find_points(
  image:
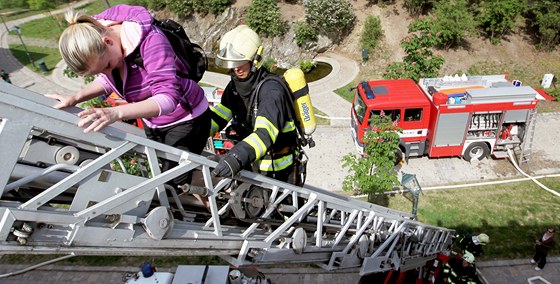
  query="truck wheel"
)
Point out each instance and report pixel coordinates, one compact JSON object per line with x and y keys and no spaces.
{"x":477,"y":151}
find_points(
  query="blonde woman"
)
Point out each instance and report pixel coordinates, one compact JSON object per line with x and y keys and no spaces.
{"x":174,"y":109}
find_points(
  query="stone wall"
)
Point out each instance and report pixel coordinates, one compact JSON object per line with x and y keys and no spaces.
{"x":207,"y":31}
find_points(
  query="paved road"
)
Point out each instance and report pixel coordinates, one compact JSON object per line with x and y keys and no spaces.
{"x":333,"y":142}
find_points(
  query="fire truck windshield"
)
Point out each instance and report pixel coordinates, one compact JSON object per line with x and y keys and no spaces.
{"x":360,"y":108}
{"x":394,"y":114}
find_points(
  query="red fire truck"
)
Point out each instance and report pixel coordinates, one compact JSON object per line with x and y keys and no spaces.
{"x":468,"y":116}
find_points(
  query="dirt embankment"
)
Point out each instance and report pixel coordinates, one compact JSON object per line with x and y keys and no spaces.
{"x":516,"y":54}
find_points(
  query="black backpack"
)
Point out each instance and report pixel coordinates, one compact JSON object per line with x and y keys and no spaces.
{"x":300,"y":161}
{"x":191,"y":54}
{"x":302,"y":139}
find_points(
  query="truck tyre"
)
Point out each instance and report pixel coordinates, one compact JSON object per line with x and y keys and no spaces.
{"x":478,"y":150}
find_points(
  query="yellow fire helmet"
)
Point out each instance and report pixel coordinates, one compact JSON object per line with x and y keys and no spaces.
{"x":468,"y":257}
{"x":483,"y":239}
{"x":238,"y":46}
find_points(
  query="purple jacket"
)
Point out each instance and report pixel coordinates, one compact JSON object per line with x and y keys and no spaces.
{"x":158,"y":79}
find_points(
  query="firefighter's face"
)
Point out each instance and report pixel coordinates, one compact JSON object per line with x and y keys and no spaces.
{"x":242,"y":71}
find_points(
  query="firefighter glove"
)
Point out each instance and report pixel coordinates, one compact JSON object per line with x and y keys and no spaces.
{"x":228,"y":166}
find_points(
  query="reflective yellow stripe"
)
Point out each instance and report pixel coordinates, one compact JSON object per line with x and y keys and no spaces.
{"x":289,"y":126}
{"x":222,"y":111}
{"x":279,"y":164}
{"x":256,"y":143}
{"x":262,"y":122}
{"x":213,"y":128}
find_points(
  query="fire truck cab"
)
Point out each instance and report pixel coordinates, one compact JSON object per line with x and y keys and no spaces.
{"x":468,"y":116}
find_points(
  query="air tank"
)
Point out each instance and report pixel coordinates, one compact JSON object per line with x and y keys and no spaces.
{"x":303,"y":108}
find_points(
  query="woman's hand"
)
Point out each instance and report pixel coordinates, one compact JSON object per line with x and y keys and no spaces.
{"x":64,"y":101}
{"x":95,"y":119}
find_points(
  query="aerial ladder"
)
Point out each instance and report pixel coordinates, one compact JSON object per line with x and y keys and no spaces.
{"x":60,"y":195}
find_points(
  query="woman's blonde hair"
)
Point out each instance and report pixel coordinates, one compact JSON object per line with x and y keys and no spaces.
{"x":81,"y":41}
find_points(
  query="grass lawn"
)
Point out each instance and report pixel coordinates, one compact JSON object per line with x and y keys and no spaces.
{"x":320,"y":120}
{"x":345,"y":92}
{"x":50,"y":28}
{"x":513,"y":215}
{"x":50,"y":56}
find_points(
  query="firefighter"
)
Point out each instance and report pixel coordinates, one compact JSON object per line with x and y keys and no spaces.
{"x":473,"y":244}
{"x":261,"y":123}
{"x":459,"y":270}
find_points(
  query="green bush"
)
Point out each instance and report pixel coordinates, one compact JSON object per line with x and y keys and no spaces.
{"x":270,"y":65}
{"x":371,"y":33}
{"x":265,"y":18}
{"x":452,"y":21}
{"x":217,"y":6}
{"x":40,"y":4}
{"x":544,"y":18}
{"x":131,"y":164}
{"x":307,"y":65}
{"x":334,"y":18}
{"x":304,"y":32}
{"x":11,"y":4}
{"x":497,"y":18}
{"x":189,"y":7}
{"x":70,"y":74}
{"x":150,"y":4}
{"x":554,"y":93}
{"x":186,"y":7}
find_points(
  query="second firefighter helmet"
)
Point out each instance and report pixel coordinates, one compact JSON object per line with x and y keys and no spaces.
{"x":483,"y":239}
{"x":239,"y":46}
{"x":468,"y":257}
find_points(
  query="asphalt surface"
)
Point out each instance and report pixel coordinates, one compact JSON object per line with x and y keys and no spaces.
{"x":325,"y":171}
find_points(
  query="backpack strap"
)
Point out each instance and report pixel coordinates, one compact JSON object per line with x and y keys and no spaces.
{"x":137,"y":59}
{"x":290,"y":105}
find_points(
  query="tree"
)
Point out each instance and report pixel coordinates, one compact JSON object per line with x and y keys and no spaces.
{"x":420,"y":61}
{"x":544,"y":18}
{"x":497,"y":18}
{"x":374,"y":172}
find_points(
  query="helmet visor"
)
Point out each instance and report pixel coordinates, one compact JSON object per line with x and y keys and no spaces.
{"x":228,"y":57}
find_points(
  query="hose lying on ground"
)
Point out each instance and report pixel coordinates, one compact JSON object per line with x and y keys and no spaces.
{"x":510,"y":154}
{"x":36,"y":266}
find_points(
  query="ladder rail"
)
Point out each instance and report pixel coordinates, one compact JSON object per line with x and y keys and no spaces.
{"x":527,"y":145}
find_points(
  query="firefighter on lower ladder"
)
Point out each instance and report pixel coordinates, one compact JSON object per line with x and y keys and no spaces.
{"x":459,"y":270}
{"x":262,"y":123}
{"x":473,"y":244}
